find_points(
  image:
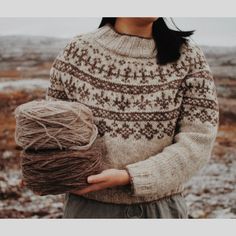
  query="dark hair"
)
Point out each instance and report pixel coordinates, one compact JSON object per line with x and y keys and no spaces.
{"x":168,"y":41}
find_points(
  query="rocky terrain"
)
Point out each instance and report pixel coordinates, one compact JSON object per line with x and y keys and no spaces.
{"x":24,"y":73}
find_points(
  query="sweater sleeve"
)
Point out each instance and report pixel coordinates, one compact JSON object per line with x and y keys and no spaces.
{"x":196,"y":131}
{"x":56,"y":89}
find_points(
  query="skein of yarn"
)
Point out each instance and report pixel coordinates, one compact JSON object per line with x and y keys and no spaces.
{"x":56,"y":172}
{"x":54,"y":124}
{"x":60,"y":143}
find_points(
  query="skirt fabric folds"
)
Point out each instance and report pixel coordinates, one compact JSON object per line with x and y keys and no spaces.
{"x":77,"y":206}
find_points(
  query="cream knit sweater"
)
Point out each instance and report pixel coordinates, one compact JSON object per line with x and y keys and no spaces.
{"x":159,"y":122}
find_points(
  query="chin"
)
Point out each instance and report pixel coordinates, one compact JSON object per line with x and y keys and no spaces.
{"x":146,"y":19}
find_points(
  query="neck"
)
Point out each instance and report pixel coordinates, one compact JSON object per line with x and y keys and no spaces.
{"x":125,"y":44}
{"x":129,"y":27}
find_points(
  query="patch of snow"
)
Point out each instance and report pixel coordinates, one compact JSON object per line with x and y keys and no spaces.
{"x":26,"y":84}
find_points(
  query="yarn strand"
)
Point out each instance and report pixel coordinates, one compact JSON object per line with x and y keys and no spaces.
{"x":60,"y":143}
{"x":58,"y":124}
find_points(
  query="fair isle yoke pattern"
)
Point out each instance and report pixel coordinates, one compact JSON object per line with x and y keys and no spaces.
{"x":159,"y":121}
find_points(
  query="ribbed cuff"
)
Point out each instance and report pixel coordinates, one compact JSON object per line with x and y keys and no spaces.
{"x":140,"y":179}
{"x":131,"y":185}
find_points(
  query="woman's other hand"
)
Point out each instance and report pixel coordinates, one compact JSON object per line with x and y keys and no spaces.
{"x":107,"y":178}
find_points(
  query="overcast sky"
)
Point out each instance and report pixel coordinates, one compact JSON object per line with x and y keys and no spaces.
{"x":209,"y":31}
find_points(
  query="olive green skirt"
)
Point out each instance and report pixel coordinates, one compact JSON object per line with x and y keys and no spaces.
{"x":77,"y":206}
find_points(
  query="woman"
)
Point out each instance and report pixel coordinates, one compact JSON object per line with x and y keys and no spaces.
{"x":154,"y":102}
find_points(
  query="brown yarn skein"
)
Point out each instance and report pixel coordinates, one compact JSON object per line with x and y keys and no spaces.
{"x":56,"y":172}
{"x":54,"y":124}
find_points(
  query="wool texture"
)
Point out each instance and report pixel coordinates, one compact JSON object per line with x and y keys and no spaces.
{"x":57,"y":171}
{"x":60,"y":146}
{"x":54,"y":124}
{"x":159,"y":122}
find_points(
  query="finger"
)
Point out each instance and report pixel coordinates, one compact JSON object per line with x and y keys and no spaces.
{"x":93,"y":188}
{"x":92,"y":179}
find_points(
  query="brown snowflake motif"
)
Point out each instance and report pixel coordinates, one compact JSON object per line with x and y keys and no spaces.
{"x":163,"y":102}
{"x":204,"y":116}
{"x":125,"y":130}
{"x":122,"y":103}
{"x":83,"y":92}
{"x":135,"y":63}
{"x":143,"y":103}
{"x":137,"y":136}
{"x":69,"y":49}
{"x":148,"y":131}
{"x":144,"y":77}
{"x":121,"y":62}
{"x":70,"y":86}
{"x":85,"y":42}
{"x":101,"y":98}
{"x":84,"y":51}
{"x":150,"y":63}
{"x":108,"y":57}
{"x":160,"y":125}
{"x":97,"y":60}
{"x":95,"y":51}
{"x":103,"y":127}
{"x":125,"y":77}
{"x":170,"y":128}
{"x":111,"y":68}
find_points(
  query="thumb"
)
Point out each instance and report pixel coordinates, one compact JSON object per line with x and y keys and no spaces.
{"x":96,"y":178}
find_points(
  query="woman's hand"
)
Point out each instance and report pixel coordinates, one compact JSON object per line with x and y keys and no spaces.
{"x":107,"y":178}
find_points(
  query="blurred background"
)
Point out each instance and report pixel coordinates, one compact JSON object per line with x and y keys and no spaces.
{"x":28,"y":47}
